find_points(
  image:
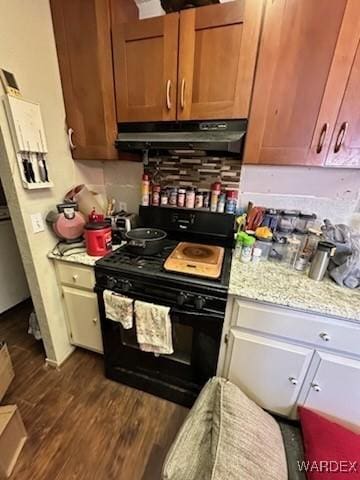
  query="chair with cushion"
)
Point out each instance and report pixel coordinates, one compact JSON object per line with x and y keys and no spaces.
{"x":226,"y":436}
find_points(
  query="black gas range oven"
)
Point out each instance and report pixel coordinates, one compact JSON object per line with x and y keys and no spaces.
{"x":197,"y":306}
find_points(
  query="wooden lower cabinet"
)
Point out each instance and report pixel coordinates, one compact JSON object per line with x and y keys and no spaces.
{"x":83,"y":318}
{"x":335,"y":388}
{"x":268,"y":371}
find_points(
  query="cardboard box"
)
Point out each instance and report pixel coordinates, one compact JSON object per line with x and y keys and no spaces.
{"x":12,"y":438}
{"x":6,"y":370}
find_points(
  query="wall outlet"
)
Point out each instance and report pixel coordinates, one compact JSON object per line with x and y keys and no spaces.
{"x":123,"y":206}
{"x":37,"y":223}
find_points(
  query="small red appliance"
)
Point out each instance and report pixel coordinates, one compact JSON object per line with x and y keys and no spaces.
{"x":98,"y":239}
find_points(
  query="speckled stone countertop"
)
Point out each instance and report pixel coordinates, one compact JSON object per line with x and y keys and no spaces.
{"x":80,"y":258}
{"x":275,"y":283}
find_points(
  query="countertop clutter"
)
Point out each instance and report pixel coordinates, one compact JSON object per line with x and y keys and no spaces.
{"x":81,"y":258}
{"x":277,"y":284}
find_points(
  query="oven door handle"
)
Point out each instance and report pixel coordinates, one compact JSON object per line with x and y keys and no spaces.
{"x":188,"y":313}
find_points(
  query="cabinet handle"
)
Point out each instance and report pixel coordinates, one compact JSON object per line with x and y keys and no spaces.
{"x":324,"y":336}
{"x":95,"y":321}
{"x":71,"y":143}
{"x":168,"y":94}
{"x":293,"y":380}
{"x":341,"y":136}
{"x":75,"y":277}
{"x":322,"y":138}
{"x":182,"y":95}
{"x":316,"y":387}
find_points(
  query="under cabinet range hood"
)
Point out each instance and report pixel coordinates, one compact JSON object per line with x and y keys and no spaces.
{"x":213,"y":136}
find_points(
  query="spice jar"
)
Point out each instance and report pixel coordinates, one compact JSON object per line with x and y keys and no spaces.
{"x":206,"y":200}
{"x":221,"y":202}
{"x":155,"y":201}
{"x":173,"y":197}
{"x":215,"y":192}
{"x":164,"y":199}
{"x":181,"y":197}
{"x":231,"y":201}
{"x":190,"y":198}
{"x":199,"y":199}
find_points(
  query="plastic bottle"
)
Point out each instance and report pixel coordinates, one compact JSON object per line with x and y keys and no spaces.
{"x":247,"y":247}
{"x":221,"y":202}
{"x":145,"y":190}
{"x":238,"y":244}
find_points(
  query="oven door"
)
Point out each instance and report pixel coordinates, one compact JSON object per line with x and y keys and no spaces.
{"x":178,"y":377}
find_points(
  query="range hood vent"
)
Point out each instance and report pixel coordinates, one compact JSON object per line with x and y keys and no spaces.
{"x":220,"y":136}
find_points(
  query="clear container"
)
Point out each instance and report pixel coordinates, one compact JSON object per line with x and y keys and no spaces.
{"x":287,"y":221}
{"x":164,"y":198}
{"x":278,"y":250}
{"x":304,"y":222}
{"x":292,"y":251}
{"x":221,"y":203}
{"x":265,"y":247}
{"x":199,"y":199}
{"x":271,"y":219}
{"x":311,"y":241}
{"x":257,"y":253}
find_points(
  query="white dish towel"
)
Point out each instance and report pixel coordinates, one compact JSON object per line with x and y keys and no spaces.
{"x":119,"y":308}
{"x":153,"y":328}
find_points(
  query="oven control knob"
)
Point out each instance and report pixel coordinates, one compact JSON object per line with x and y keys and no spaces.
{"x":126,"y":285}
{"x":111,"y":282}
{"x":181,"y":299}
{"x":199,"y":303}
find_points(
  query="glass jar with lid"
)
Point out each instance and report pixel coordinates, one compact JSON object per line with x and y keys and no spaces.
{"x":304,"y":222}
{"x":287,"y":221}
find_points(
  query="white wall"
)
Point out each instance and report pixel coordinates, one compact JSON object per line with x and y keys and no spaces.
{"x":27,"y":49}
{"x":331,"y":193}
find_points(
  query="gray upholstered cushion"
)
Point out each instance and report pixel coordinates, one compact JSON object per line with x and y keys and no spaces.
{"x":226,"y":437}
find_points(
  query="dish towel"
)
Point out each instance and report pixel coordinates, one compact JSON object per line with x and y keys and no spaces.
{"x":153,"y":328}
{"x":119,"y":308}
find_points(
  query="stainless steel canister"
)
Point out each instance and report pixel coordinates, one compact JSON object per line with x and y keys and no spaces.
{"x":320,"y":262}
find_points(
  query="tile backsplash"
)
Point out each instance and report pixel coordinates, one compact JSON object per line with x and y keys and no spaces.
{"x":198,"y":172}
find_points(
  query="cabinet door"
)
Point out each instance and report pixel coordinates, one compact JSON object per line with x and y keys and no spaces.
{"x":145,"y":61}
{"x":83,"y":41}
{"x":295,"y":100}
{"x":83,"y":318}
{"x":217,"y":55}
{"x":345,"y":144}
{"x":269,"y":372}
{"x":335,"y":389}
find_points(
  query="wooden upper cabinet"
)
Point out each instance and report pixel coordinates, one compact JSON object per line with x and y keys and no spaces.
{"x":303,"y":67}
{"x":145,"y":60}
{"x":344,"y":148}
{"x":217,"y":56}
{"x":83,"y":41}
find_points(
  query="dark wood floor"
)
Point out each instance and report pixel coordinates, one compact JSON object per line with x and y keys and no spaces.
{"x":81,"y":425}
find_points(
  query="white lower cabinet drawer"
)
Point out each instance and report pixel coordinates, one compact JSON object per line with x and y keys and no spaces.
{"x":77,"y":276}
{"x":322,"y":332}
{"x":270,"y":372}
{"x":83,"y":318}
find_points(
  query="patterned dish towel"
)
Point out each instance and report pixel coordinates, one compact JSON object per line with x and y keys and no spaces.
{"x":153,"y":328}
{"x":119,"y":308}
